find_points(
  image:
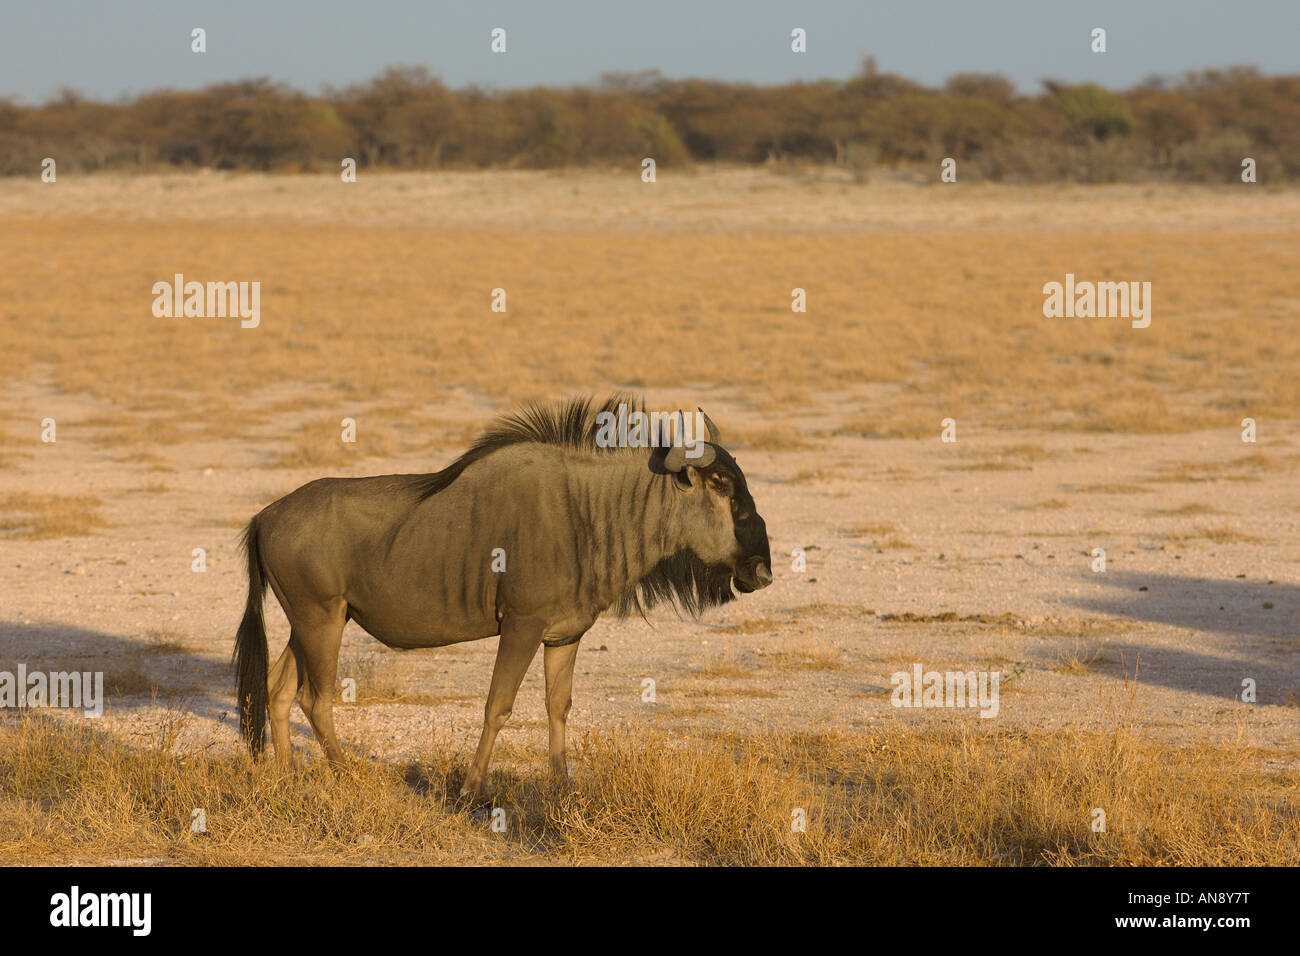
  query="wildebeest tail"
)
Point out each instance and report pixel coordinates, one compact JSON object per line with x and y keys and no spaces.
{"x":250,"y":651}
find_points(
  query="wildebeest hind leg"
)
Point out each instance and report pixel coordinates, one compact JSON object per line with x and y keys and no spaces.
{"x":317,"y":640}
{"x":516,"y":650}
{"x":282,"y":689}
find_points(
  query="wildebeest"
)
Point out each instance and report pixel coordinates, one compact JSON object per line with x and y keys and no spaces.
{"x":530,"y":534}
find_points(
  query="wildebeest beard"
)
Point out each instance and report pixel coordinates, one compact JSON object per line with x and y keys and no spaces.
{"x":682,"y":579}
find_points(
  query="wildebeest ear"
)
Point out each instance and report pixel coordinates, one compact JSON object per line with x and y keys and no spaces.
{"x":672,"y":458}
{"x":665,"y":461}
{"x":676,"y":460}
{"x":715,"y":436}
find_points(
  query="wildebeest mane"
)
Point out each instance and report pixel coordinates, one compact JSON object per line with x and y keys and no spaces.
{"x":569,"y":424}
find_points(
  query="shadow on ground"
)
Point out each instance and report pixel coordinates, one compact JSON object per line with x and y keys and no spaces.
{"x":1253,"y":623}
{"x":138,"y":673}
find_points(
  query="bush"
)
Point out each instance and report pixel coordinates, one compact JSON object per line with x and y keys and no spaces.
{"x":1198,"y":128}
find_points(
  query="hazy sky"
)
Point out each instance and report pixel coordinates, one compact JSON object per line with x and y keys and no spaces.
{"x":110,"y":48}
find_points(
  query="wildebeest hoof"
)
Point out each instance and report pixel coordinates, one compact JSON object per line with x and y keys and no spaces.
{"x":476,"y":799}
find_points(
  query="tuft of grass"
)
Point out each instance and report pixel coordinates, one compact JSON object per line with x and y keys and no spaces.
{"x":951,"y":617}
{"x":1190,"y":509}
{"x":163,"y":641}
{"x":41,"y":516}
{"x":1221,"y":534}
{"x":149,"y":460}
{"x":666,"y":709}
{"x":747,"y":690}
{"x":1110,"y":488}
{"x":754,"y":625}
{"x":873,"y":528}
{"x":1079,"y":660}
{"x":1051,"y":504}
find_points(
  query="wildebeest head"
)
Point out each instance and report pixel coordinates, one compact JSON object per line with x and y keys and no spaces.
{"x":722,"y":524}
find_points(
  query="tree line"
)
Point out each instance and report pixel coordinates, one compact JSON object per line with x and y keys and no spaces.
{"x":1198,"y":127}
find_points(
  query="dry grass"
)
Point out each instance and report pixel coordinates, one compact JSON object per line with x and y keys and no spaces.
{"x":41,"y":516}
{"x":724,"y":666}
{"x":1191,"y":509}
{"x":1221,"y":534}
{"x":1109,"y":488}
{"x":1247,"y":468}
{"x":746,"y":691}
{"x":12,"y":448}
{"x":878,"y":530}
{"x":1077,"y":626}
{"x":900,"y":419}
{"x":1078,"y":660}
{"x":1012,"y":622}
{"x":164,"y":641}
{"x":668,"y":709}
{"x":816,"y":476}
{"x":873,"y":528}
{"x":951,"y":617}
{"x":805,"y":660}
{"x":930,"y":795}
{"x":382,"y":682}
{"x":755,"y":625}
{"x":1008,"y":458}
{"x":319,"y":444}
{"x":767,"y":438}
{"x":1051,"y":504}
{"x":350,"y":307}
{"x":796,"y":619}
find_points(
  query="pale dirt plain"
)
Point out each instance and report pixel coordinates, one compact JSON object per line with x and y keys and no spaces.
{"x":924,"y":304}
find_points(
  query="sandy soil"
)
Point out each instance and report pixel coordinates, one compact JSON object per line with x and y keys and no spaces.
{"x":981,"y":529}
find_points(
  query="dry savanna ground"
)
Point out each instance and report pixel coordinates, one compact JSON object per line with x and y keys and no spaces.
{"x":1163,"y":691}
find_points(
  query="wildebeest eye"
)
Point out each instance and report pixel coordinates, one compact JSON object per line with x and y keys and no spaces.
{"x":721,"y":484}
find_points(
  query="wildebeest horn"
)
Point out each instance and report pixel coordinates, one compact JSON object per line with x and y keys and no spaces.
{"x":676,"y":458}
{"x":715,"y":436}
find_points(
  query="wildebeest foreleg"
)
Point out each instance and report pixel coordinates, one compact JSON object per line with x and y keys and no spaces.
{"x":559,"y":696}
{"x":516,"y":650}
